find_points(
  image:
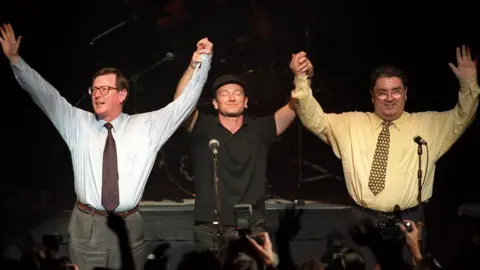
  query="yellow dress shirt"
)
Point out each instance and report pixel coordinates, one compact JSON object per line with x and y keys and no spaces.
{"x":353,"y":137}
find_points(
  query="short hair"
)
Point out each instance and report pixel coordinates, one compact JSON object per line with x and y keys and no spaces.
{"x":387,"y":71}
{"x":121,"y":80}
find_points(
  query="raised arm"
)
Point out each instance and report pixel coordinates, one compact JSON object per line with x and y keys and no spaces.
{"x":329,"y":127}
{"x":57,"y":109}
{"x":165,"y":121}
{"x":300,"y":65}
{"x":309,"y":110}
{"x":204,"y":46}
{"x":448,"y":126}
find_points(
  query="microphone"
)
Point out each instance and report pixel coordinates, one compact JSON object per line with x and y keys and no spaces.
{"x":299,"y":202}
{"x":419,"y":140}
{"x":214,"y":144}
{"x":169,"y":56}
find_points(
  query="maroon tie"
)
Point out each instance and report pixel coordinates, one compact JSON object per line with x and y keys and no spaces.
{"x":110,"y":198}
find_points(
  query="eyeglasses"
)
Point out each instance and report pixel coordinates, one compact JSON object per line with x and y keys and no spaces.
{"x":396,"y":94}
{"x":103,"y":90}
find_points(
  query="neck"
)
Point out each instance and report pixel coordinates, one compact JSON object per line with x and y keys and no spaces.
{"x":109,"y":118}
{"x":233,"y":124}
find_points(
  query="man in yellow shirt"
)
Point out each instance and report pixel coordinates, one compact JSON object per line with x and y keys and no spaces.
{"x":377,"y":149}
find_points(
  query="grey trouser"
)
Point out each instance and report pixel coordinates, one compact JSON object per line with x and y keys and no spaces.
{"x":93,"y":244}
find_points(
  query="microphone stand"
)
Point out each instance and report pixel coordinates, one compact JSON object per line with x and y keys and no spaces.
{"x":218,"y":207}
{"x":135,"y":79}
{"x":80,"y":100}
{"x":108,"y":31}
{"x":419,"y":200}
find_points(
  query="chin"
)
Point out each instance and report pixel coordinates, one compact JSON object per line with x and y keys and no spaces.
{"x":100,"y":113}
{"x":232,"y":113}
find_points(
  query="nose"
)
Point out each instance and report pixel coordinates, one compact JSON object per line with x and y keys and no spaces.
{"x":390,"y":97}
{"x":231,"y":98}
{"x":97,"y":94}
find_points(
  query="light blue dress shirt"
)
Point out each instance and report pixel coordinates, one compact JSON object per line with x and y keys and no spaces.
{"x":138,"y":137}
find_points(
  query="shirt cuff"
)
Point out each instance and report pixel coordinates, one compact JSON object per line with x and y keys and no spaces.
{"x":21,"y":66}
{"x":470,"y":86}
{"x":302,"y":88}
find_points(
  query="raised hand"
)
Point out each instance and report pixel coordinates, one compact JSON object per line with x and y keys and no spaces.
{"x":204,"y":46}
{"x":265,"y":250}
{"x":10,"y":45}
{"x":300,"y":64}
{"x":466,"y":69}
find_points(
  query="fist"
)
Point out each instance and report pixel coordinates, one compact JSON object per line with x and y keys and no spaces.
{"x":301,"y":65}
{"x":204,"y":46}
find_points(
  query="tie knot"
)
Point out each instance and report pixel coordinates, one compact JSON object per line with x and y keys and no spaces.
{"x":109,"y":126}
{"x":387,"y":124}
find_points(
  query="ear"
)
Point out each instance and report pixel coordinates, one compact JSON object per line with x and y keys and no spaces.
{"x":245,"y":103}
{"x":215,"y":104}
{"x":123,"y":95}
{"x":406,"y":88}
{"x":372,"y":96}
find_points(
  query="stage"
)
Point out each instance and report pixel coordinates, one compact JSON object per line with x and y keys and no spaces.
{"x":169,"y":222}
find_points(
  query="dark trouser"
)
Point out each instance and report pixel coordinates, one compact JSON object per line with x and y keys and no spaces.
{"x":206,"y":236}
{"x":93,"y":244}
{"x":380,"y":245}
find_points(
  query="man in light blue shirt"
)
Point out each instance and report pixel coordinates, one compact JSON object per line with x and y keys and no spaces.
{"x":112,"y":152}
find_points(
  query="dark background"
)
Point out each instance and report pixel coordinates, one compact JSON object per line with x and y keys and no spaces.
{"x":345,"y":40}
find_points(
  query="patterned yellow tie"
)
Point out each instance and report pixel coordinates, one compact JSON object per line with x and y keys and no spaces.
{"x":376,"y":182}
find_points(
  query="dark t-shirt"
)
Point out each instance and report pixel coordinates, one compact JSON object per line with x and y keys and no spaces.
{"x":242,"y":165}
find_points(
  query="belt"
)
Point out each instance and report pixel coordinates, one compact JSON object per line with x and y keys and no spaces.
{"x":90,"y":210}
{"x":385,"y":213}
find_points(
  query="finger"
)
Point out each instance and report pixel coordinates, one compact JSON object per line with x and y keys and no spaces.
{"x":302,"y":59}
{"x":2,"y":31}
{"x":475,"y":60}
{"x":19,"y":39}
{"x":302,"y":53}
{"x":402,"y":228}
{"x":469,"y":54}
{"x":303,"y":71}
{"x":203,"y":40}
{"x":201,"y":45}
{"x":295,"y":58}
{"x":459,"y":56}
{"x":257,"y":246}
{"x":464,"y":52}
{"x":303,"y":67}
{"x":454,"y":68}
{"x":10,"y":29}
{"x":266,"y":241}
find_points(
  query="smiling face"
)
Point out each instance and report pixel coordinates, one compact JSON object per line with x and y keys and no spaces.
{"x":108,"y":94}
{"x":230,"y":100}
{"x":389,"y":96}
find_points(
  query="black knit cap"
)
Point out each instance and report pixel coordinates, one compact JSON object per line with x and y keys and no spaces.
{"x":227,"y":79}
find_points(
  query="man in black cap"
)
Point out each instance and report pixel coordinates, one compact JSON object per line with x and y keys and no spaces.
{"x":239,"y":145}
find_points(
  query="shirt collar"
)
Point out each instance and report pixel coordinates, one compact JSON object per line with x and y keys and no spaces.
{"x":396,"y":123}
{"x":115,"y":123}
